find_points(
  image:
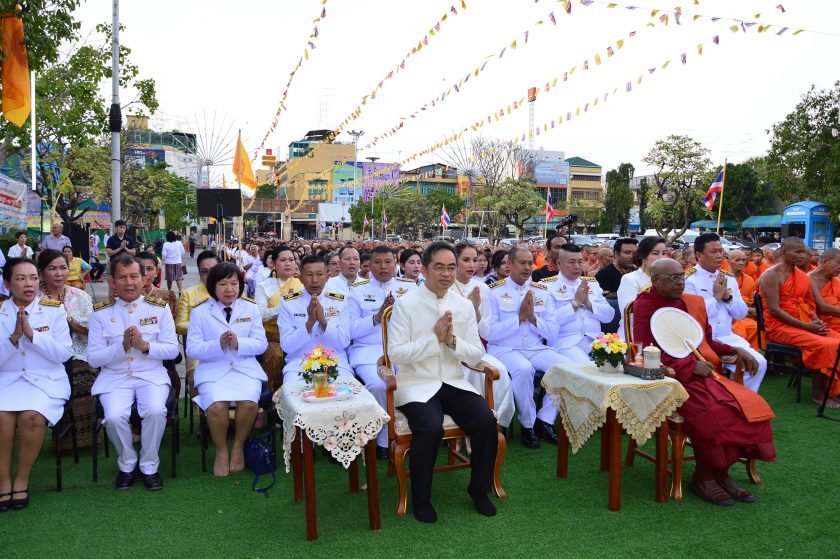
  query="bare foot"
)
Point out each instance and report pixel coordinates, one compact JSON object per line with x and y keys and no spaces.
{"x":832,"y":402}
{"x":221,"y":467}
{"x":237,"y":459}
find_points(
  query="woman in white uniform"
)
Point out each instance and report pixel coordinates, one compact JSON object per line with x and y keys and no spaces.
{"x":269,"y":295}
{"x":477,"y":292}
{"x":650,"y":250}
{"x":225,"y":336}
{"x":34,"y":344}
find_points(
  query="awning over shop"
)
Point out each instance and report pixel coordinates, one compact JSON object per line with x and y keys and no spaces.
{"x":712,"y":224}
{"x":762,"y":222}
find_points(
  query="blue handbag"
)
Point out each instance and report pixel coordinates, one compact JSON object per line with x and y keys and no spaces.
{"x":259,"y":457}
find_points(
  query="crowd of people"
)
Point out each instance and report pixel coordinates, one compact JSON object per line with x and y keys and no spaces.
{"x":260,"y":307}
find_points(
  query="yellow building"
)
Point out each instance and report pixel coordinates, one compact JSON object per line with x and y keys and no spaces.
{"x":584,"y":180}
{"x":308,"y":172}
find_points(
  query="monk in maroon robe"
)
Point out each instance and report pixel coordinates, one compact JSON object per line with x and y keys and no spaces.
{"x":724,"y":426}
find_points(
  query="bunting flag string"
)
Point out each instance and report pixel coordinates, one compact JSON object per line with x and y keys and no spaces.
{"x":356,"y":113}
{"x":310,"y":45}
{"x":569,"y":115}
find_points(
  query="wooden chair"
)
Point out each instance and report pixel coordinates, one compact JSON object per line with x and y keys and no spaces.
{"x":785,"y":351}
{"x":399,"y":434}
{"x":676,"y":433}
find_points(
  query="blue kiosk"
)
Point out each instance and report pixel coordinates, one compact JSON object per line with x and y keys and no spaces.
{"x":811,"y":221}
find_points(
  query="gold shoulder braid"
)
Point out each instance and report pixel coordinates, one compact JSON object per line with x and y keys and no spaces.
{"x":538,"y":285}
{"x":49,"y":303}
{"x":248,"y":299}
{"x":292,"y":295}
{"x":496,"y":284}
{"x":336,"y":296}
{"x":155,"y":301}
{"x":201,"y":300}
{"x":104,"y":304}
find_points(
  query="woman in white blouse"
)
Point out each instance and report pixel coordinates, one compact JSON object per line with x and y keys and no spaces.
{"x":225,"y":336}
{"x":478,"y":293}
{"x":171,"y":254}
{"x":20,"y":250}
{"x":650,"y":250}
{"x":264,"y":271}
{"x":268,"y":298}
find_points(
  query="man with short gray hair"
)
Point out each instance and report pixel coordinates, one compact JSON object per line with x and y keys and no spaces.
{"x":56,"y":240}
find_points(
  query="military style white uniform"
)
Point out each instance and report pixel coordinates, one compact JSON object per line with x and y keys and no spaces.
{"x":296,"y":341}
{"x":363,"y":303}
{"x":700,"y":281}
{"x":230,"y":375}
{"x":339,"y":284}
{"x":502,"y":394}
{"x":128,"y":376}
{"x":32,"y":375}
{"x":574,"y":339}
{"x":519,"y":345}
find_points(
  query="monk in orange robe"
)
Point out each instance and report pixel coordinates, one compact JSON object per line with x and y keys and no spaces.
{"x":747,"y":327}
{"x":725,"y":422}
{"x":825,"y":279}
{"x":790,"y":317}
{"x":759,"y":265}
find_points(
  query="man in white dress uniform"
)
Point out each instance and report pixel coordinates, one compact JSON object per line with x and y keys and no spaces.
{"x":522,"y":314}
{"x":723,"y":299}
{"x":584,"y":296}
{"x":366,"y":303}
{"x":431,"y":332}
{"x":349,"y":264}
{"x":129,"y":337}
{"x":311,"y":317}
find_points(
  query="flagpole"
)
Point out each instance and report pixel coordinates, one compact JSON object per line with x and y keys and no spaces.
{"x":33,"y":151}
{"x":720,"y":206}
{"x":545,"y":226}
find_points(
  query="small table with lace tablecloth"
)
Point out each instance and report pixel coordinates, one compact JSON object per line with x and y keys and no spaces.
{"x":344,"y":427}
{"x":587,"y":399}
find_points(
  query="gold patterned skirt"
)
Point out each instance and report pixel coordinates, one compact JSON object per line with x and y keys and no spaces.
{"x":273,"y":358}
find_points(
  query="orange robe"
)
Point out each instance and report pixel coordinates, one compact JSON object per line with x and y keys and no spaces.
{"x":797,"y":299}
{"x":750,"y":269}
{"x":540,"y":260}
{"x":831,"y":294}
{"x":760,"y":270}
{"x":747,"y":328}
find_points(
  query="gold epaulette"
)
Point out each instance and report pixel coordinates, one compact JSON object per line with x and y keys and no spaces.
{"x":588,"y":278}
{"x":49,"y":303}
{"x":104,"y":304}
{"x":202,"y":300}
{"x":409,"y":280}
{"x":548,"y":279}
{"x":645,"y":288}
{"x":336,"y":296}
{"x":727,"y":273}
{"x":496,"y":284}
{"x":292,"y":295}
{"x":691,"y":271}
{"x":361,"y":282}
{"x":247,"y":299}
{"x":538,"y":285}
{"x":155,"y":301}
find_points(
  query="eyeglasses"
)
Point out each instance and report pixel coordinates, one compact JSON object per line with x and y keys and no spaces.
{"x":673,"y":278}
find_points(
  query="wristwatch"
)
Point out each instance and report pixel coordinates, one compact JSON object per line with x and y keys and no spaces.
{"x":451,"y":344}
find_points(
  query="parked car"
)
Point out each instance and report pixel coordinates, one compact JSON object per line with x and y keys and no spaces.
{"x":581,"y":240}
{"x":510,"y":241}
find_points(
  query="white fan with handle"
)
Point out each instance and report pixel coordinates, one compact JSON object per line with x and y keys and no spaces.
{"x":677,"y":332}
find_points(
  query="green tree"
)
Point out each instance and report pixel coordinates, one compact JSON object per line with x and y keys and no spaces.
{"x":618,"y":200}
{"x":644,"y":193}
{"x":803,"y":162}
{"x":515,"y":200}
{"x":440,"y":197}
{"x":681,"y":165}
{"x":745,"y":193}
{"x":267,"y":190}
{"x":179,"y":205}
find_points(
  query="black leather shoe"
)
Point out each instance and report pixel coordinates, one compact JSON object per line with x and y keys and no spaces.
{"x":381,"y":453}
{"x":18,"y":504}
{"x":153,"y":482}
{"x":529,"y":438}
{"x":545,"y":432}
{"x":124,"y":480}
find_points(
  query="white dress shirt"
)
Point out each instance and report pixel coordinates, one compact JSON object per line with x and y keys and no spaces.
{"x":340,"y":284}
{"x":700,"y":281}
{"x":296,"y":341}
{"x":423,"y":363}
{"x":506,"y":330}
{"x":363,"y":302}
{"x":630,"y":287}
{"x":584,"y":323}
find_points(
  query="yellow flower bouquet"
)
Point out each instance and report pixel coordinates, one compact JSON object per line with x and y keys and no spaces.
{"x":319,"y":364}
{"x":609,"y":348}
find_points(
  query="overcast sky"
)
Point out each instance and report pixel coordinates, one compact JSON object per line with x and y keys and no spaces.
{"x":231,"y":61}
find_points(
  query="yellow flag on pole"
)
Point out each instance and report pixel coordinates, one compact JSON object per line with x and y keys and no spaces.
{"x":242,"y":166}
{"x":15,"y":71}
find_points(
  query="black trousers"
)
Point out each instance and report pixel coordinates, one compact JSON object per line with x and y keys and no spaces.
{"x":472,"y":414}
{"x":97,"y":270}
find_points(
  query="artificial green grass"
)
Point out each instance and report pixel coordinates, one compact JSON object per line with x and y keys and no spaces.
{"x":197,"y":515}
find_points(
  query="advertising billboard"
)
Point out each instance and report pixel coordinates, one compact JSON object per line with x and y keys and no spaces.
{"x":375,"y":175}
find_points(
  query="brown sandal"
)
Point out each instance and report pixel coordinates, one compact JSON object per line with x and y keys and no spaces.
{"x":736,"y":492}
{"x":711,"y":492}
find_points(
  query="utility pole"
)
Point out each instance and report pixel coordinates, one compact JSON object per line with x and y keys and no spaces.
{"x":356,"y":135}
{"x":372,"y":217}
{"x":115,"y":117}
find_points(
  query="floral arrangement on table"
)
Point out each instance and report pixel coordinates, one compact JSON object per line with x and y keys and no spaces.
{"x":319,"y":360}
{"x":609,"y":348}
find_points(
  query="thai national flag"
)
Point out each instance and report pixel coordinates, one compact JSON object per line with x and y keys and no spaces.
{"x":711,"y":194}
{"x":549,"y":209}
{"x":444,"y":216}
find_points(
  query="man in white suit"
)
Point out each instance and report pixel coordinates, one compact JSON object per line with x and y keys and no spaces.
{"x":129,"y":337}
{"x":432,"y":331}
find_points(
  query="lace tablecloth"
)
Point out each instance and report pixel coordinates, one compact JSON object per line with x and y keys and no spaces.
{"x":343,"y":427}
{"x":583,"y":394}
